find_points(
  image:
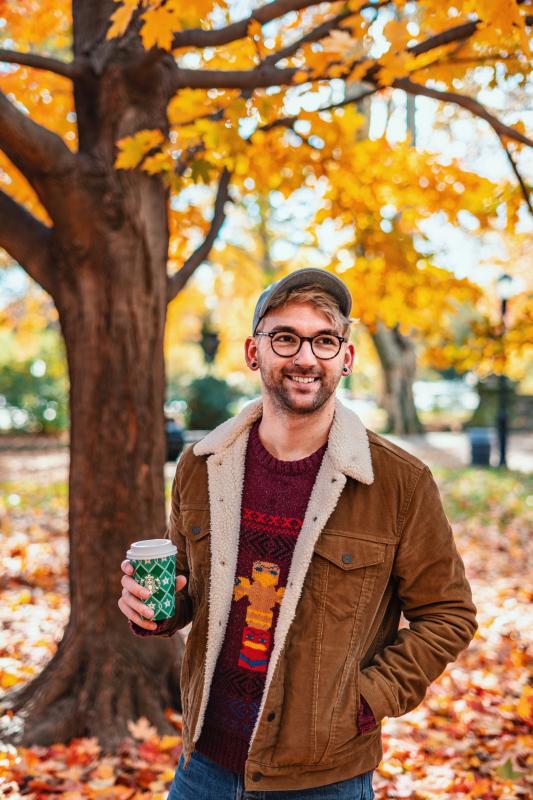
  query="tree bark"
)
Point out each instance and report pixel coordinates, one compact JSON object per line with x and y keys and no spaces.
{"x":397,"y":356}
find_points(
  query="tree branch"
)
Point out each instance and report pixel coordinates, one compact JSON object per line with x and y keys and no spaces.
{"x":33,"y":149}
{"x":259,"y":77}
{"x":176,"y":282}
{"x":27,"y":240}
{"x":519,"y":178}
{"x":466,"y":102}
{"x":456,"y":34}
{"x":196,"y":37}
{"x":72,"y":69}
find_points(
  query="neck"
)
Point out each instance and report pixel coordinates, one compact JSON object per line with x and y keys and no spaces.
{"x":290,"y":436}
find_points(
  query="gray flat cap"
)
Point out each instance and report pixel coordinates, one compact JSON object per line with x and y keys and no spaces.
{"x":303,"y":277}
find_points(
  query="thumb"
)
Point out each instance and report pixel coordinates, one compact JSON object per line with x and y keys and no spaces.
{"x":181,"y":580}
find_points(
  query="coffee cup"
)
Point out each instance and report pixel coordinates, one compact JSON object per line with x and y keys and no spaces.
{"x":154,"y":565}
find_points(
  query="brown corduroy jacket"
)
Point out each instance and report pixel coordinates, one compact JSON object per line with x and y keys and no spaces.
{"x":375,"y":542}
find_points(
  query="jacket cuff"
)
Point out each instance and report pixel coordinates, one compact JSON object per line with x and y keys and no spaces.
{"x":377,"y":694}
{"x":138,"y":631}
{"x":168,"y":627}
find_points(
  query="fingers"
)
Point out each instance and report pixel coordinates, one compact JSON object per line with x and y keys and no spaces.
{"x":133,"y":609}
{"x":128,"y":603}
{"x":134,"y":588}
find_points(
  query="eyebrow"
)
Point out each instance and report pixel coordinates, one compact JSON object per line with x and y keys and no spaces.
{"x":290,"y":329}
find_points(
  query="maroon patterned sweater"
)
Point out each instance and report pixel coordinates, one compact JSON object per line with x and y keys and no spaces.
{"x":275,"y":498}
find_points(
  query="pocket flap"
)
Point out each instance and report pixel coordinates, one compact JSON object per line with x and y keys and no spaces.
{"x":350,"y":553}
{"x":194,"y":523}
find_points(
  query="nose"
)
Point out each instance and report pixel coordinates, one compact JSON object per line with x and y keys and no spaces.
{"x":305,"y":356}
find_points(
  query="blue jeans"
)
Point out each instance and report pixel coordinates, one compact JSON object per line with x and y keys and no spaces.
{"x":205,"y":780}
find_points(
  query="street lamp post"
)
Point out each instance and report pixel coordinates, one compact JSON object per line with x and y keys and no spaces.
{"x":504,"y":287}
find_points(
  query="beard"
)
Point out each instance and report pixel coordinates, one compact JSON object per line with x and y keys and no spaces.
{"x":288,"y":398}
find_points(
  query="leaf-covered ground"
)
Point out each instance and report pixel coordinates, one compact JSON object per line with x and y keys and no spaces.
{"x":472,"y":736}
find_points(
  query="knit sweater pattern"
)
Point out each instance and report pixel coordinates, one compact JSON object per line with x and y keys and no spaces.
{"x":275,"y":497}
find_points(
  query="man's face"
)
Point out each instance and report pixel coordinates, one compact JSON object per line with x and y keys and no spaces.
{"x":280,"y":375}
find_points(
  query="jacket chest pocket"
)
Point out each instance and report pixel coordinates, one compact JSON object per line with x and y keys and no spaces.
{"x":350,"y":567}
{"x":195,"y":529}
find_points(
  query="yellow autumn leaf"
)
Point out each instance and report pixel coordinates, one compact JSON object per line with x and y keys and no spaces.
{"x":120,"y":18}
{"x":193,"y":14}
{"x":358,"y":72}
{"x":189,"y":104}
{"x":168,"y":742}
{"x":525,"y":704}
{"x":159,"y":162}
{"x":301,"y":76}
{"x":158,"y":28}
{"x":21,"y":599}
{"x":394,"y":64}
{"x":397,"y":34}
{"x":134,"y":148}
{"x":141,"y":729}
{"x":7,"y":679}
{"x":255,"y":32}
{"x":341,"y":43}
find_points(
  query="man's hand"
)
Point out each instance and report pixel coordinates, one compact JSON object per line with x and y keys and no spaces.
{"x":131,"y":606}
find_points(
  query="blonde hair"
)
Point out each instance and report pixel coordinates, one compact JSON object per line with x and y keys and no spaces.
{"x":315,"y":293}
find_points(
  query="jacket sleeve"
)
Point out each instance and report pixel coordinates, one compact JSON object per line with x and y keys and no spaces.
{"x":183,"y":614}
{"x":436,"y":601}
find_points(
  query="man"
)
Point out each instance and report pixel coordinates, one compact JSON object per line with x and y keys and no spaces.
{"x":301,"y":537}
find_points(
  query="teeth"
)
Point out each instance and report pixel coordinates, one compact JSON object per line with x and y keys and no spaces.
{"x":299,"y":379}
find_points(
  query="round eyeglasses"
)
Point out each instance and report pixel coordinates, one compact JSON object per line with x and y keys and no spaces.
{"x":287,"y":344}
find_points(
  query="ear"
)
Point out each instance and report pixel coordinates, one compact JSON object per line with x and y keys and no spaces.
{"x":349,"y":357}
{"x":250,"y":353}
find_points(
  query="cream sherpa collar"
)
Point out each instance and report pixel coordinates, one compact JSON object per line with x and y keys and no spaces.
{"x":348,"y":444}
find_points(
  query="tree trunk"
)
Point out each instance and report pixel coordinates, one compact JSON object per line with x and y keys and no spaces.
{"x":109,"y":283}
{"x":398,"y":362}
{"x":102,"y":676}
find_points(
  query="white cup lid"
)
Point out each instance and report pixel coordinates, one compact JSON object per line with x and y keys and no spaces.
{"x":151,"y":548}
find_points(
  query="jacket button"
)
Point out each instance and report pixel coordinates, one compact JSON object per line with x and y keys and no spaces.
{"x":195,"y":530}
{"x":256,"y":776}
{"x":271,"y":716}
{"x":347,"y":558}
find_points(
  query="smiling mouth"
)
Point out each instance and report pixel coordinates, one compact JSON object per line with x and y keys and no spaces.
{"x":301,"y":379}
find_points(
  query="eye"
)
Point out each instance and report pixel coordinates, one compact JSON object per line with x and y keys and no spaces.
{"x":285,"y":338}
{"x":327,"y":341}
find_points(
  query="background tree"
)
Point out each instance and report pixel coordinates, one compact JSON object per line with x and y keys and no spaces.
{"x":33,"y":379}
{"x":109,"y":115}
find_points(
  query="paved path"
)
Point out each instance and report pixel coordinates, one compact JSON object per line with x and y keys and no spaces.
{"x":453,"y":449}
